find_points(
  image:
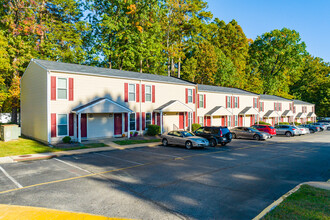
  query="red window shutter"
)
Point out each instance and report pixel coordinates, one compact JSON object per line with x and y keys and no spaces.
{"x":53,"y":125}
{"x":71,"y":124}
{"x":186,"y":96}
{"x":251,"y":121}
{"x":153,"y":118}
{"x":143,"y":93}
{"x":187,"y":121}
{"x":137,"y":121}
{"x":204,"y":101}
{"x":233,"y":121}
{"x":70,"y":89}
{"x":222,"y":121}
{"x":232,"y":102}
{"x":158,"y":118}
{"x":258,"y":103}
{"x":226,"y":101}
{"x":194,"y":117}
{"x":53,"y":88}
{"x":238,"y":102}
{"x":194,"y":96}
{"x":198,"y":101}
{"x":153,"y":94}
{"x":126,"y":92}
{"x":126,"y":122}
{"x":143,"y":121}
{"x":274,"y":106}
{"x":137,"y":93}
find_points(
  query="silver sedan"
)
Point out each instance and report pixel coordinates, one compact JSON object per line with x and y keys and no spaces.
{"x":184,"y":138}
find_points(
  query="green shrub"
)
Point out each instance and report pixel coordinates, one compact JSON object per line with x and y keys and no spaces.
{"x":66,"y":139}
{"x":284,"y":123}
{"x":153,"y":130}
{"x":297,"y":123}
{"x":263,"y":123}
{"x":309,"y":122}
{"x":194,"y":127}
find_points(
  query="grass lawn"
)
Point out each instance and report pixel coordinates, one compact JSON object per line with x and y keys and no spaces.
{"x":307,"y":203}
{"x":128,"y":142}
{"x":27,"y":146}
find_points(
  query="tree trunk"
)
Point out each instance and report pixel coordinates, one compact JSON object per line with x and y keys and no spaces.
{"x":14,"y":115}
{"x":179,"y":67}
{"x":109,"y":62}
{"x":141,"y":66}
{"x":172,"y":67}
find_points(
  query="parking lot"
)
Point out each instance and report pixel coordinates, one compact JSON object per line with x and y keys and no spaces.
{"x":232,"y":182}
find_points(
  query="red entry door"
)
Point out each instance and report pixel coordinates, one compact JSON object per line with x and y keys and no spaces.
{"x":118,"y":124}
{"x":83,"y":125}
{"x":181,"y":120}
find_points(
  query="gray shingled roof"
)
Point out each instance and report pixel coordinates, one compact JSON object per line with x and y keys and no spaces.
{"x":88,"y":104}
{"x":165,"y":105}
{"x":216,"y":108}
{"x":299,"y":102}
{"x":208,"y":88}
{"x":91,"y":70}
{"x":245,"y":110}
{"x":273,"y":97}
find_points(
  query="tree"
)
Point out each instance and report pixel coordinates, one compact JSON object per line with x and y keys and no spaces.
{"x":277,"y":57}
{"x":313,"y":84}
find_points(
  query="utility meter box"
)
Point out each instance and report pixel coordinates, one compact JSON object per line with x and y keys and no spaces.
{"x":10,"y":132}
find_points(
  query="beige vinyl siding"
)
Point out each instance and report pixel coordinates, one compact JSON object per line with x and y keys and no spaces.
{"x":34,"y":103}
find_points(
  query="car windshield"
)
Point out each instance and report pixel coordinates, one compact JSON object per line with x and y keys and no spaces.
{"x":271,"y":127}
{"x":254,"y":130}
{"x":187,"y":134}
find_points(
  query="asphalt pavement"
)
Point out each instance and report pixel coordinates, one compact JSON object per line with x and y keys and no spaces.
{"x":233,"y":182}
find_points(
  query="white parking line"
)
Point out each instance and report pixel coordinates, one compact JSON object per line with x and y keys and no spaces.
{"x":118,"y":159}
{"x":72,"y":165}
{"x":167,"y":155}
{"x":11,"y":178}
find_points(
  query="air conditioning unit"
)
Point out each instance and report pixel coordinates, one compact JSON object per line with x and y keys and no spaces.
{"x":10,"y":132}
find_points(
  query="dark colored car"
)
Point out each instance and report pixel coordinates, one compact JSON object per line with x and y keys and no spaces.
{"x":312,"y":129}
{"x":250,"y":133}
{"x":215,"y":135}
{"x":265,"y":128}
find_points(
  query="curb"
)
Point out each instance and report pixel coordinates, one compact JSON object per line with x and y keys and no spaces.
{"x":282,"y":198}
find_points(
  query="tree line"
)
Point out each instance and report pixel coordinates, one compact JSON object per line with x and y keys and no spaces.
{"x":178,"y":38}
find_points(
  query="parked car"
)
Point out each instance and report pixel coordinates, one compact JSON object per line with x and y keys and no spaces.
{"x":266,"y":128}
{"x":312,"y":129}
{"x":250,"y":133}
{"x":326,"y":124}
{"x":287,"y":130}
{"x":303,"y":129}
{"x":183,"y":138}
{"x":322,"y":126}
{"x":215,"y":135}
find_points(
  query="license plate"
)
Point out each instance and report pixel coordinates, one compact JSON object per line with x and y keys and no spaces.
{"x":224,"y":139}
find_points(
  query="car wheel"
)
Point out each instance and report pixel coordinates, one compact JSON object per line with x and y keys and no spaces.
{"x":288,"y":134}
{"x":256,"y":137}
{"x":213,"y":143}
{"x":188,"y":145}
{"x":165,"y":142}
{"x":312,"y":131}
{"x":234,"y":135}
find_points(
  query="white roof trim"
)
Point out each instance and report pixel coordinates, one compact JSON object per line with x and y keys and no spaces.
{"x":125,"y":109}
{"x":167,"y":108}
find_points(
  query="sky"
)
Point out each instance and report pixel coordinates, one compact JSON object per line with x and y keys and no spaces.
{"x":310,"y":18}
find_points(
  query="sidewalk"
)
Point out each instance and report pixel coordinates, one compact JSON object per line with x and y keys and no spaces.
{"x":43,"y":156}
{"x":13,"y":212}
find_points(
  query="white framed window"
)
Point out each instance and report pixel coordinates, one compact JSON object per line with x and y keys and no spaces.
{"x":190,"y":95}
{"x":255,"y":104}
{"x":201,"y":101}
{"x":236,"y":102}
{"x":62,"y":124}
{"x":62,"y":88}
{"x":261,"y":105}
{"x":229,"y":101}
{"x":131,"y":92}
{"x":148,"y":94}
{"x":148,"y":119}
{"x":229,"y":120}
{"x":201,"y":121}
{"x":255,"y":119}
{"x":236,"y":120}
{"x":132,"y":122}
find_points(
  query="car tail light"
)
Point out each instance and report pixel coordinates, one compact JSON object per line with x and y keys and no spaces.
{"x":301,"y":129}
{"x":293,"y":129}
{"x":220,"y":133}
